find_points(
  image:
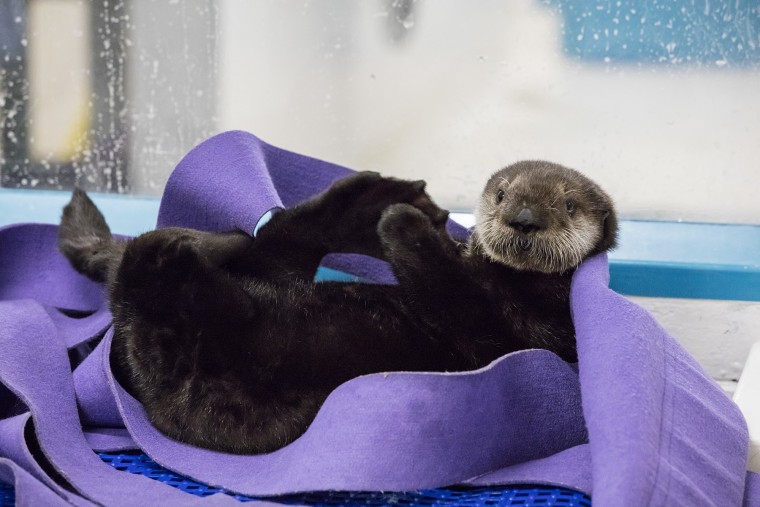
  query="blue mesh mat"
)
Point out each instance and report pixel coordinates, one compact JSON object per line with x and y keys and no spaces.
{"x":524,"y":496}
{"x":7,"y":496}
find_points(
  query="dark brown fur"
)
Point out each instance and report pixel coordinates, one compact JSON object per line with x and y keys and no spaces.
{"x":230,"y":344}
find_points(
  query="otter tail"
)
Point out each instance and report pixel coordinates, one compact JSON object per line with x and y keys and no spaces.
{"x":86,"y":240}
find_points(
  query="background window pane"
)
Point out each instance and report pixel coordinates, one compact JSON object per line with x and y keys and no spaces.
{"x":657,"y":100}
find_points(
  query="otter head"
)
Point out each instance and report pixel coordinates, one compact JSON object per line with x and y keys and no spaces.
{"x":540,"y":216}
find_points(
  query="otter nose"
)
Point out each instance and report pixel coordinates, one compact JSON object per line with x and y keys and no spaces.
{"x":526,"y":221}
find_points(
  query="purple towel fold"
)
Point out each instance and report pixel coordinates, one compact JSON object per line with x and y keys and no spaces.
{"x":29,"y":491}
{"x":661,"y":431}
{"x":652,"y":428}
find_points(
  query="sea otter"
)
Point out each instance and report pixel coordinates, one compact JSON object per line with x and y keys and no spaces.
{"x":230,"y":345}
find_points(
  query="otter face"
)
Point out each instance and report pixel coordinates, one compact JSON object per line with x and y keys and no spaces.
{"x":540,"y":216}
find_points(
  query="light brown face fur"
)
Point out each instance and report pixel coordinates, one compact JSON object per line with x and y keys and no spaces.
{"x":569,"y":218}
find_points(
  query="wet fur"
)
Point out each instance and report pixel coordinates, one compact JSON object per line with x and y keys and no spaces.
{"x":231,"y":346}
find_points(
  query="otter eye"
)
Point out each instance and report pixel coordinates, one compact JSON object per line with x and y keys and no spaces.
{"x":499,"y":196}
{"x":570,"y":206}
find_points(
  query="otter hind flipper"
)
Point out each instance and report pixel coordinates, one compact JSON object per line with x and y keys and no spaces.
{"x":85,"y":239}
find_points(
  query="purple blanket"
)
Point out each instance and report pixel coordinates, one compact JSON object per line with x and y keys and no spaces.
{"x":637,"y":423}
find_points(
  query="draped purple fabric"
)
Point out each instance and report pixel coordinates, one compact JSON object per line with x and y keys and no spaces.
{"x":637,"y":422}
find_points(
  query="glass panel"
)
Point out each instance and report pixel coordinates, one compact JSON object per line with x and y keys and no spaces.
{"x":107,"y":95}
{"x":59,"y":88}
{"x":657,"y":100}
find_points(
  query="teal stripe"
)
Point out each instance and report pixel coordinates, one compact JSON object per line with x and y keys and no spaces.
{"x":655,"y":258}
{"x":333,"y":275}
{"x":128,"y":215}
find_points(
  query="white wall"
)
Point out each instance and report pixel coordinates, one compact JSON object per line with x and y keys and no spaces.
{"x":477,"y":85}
{"x":719,"y":334}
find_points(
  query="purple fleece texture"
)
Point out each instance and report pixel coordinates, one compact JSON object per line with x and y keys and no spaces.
{"x":661,"y":431}
{"x":652,"y":429}
{"x":399,"y":431}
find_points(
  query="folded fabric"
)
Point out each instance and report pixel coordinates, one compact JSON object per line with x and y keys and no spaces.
{"x":637,"y":422}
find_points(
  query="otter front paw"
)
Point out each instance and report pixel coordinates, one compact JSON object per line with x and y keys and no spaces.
{"x":351,"y":209}
{"x":367,"y":195}
{"x":349,"y":187}
{"x":403,"y":225}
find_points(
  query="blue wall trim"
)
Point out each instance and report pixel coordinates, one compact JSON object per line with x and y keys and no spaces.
{"x":126,"y":214}
{"x":687,"y":280}
{"x":655,"y":258}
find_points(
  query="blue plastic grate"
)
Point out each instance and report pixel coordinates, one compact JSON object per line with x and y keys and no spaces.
{"x":7,"y":495}
{"x":523,"y":496}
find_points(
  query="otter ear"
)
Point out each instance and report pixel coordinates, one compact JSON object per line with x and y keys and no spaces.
{"x":609,"y":231}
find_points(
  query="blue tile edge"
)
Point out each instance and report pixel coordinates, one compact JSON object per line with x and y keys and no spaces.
{"x":686,"y":280}
{"x":497,"y":496}
{"x":637,"y":270}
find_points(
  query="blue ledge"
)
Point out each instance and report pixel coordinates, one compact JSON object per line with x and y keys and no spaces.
{"x":126,"y":214}
{"x":655,"y":258}
{"x":687,"y":260}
